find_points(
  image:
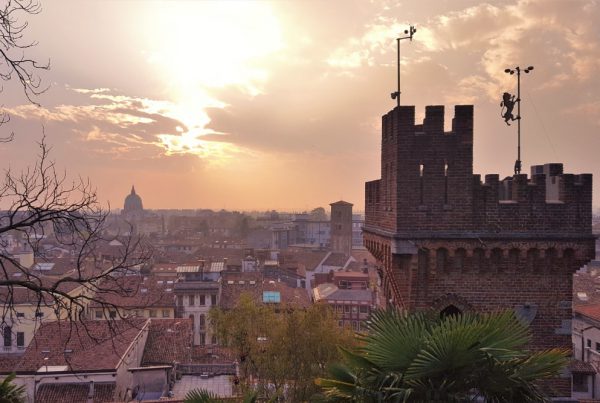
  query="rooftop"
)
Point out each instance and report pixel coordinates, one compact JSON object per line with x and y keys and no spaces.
{"x":75,"y":392}
{"x":137,"y":292}
{"x":82,"y":346}
{"x":169,"y":341}
{"x":330,"y":292}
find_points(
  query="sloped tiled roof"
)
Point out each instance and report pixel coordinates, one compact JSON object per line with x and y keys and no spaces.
{"x":137,"y":292}
{"x":307,"y":260}
{"x":82,"y":346}
{"x":591,"y":311}
{"x":74,"y":392}
{"x":329,"y":292}
{"x":336,"y":260}
{"x":169,"y":341}
{"x":581,"y":367}
{"x":253,"y":283}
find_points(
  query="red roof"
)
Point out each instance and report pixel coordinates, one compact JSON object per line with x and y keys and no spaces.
{"x":132,"y":292}
{"x":82,"y":346}
{"x":75,"y":392}
{"x":169,"y":341}
{"x":591,"y":311}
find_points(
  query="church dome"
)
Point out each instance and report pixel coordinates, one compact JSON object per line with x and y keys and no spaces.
{"x":133,"y":202}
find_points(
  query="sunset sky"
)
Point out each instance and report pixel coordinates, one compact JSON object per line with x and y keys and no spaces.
{"x":277,"y":105}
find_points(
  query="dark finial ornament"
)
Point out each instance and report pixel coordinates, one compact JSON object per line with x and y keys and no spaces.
{"x":508,"y":104}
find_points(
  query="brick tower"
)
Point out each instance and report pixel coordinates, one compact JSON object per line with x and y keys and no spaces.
{"x":448,"y":242}
{"x":341,"y":227}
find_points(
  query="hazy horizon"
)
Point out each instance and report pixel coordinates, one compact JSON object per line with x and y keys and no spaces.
{"x":252,"y":105}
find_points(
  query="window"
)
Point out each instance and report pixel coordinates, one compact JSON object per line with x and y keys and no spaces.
{"x":364,"y":309}
{"x":597,"y":346}
{"x":166,"y":313}
{"x":441,"y":260}
{"x":459,"y":259}
{"x":496,"y":259}
{"x":580,"y":382}
{"x":112,"y":314}
{"x":421,"y":180}
{"x":20,"y":339}
{"x":589,"y":343}
{"x":7,"y":333}
{"x":213,"y":339}
{"x":202,"y":321}
{"x":340,"y":323}
{"x":39,"y":314}
{"x":355,"y":325}
{"x":98,"y":314}
{"x":347,"y":308}
{"x":202,"y":339}
{"x":191,"y":300}
{"x":202,"y":299}
{"x":153,"y":313}
{"x":354,"y":309}
{"x":180,"y":300}
{"x":213,"y":298}
{"x":20,"y":315}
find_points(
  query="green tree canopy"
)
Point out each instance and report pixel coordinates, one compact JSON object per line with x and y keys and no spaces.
{"x":281,"y":349}
{"x":457,"y":358}
{"x":11,"y":393}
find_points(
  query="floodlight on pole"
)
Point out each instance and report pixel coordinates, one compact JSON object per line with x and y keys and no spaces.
{"x":508,"y":102}
{"x":410,"y":32}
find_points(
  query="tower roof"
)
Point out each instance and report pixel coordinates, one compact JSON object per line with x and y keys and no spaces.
{"x":341,"y":203}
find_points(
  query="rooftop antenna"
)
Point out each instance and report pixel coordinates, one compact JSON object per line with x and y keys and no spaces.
{"x":508,"y":104}
{"x":410,"y":32}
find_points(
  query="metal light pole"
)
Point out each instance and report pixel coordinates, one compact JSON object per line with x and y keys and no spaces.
{"x":410,"y":32}
{"x":508,"y":103}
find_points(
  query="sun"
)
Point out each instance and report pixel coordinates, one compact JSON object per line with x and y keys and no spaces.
{"x":201,"y":47}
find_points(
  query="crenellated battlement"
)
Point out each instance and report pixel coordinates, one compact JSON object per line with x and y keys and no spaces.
{"x":427,"y":184}
{"x":448,"y":242}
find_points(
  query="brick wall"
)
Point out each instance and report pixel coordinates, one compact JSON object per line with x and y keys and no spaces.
{"x":444,"y":239}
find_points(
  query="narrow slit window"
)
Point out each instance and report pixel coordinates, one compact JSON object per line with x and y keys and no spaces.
{"x":421,"y":172}
{"x":446,"y":183}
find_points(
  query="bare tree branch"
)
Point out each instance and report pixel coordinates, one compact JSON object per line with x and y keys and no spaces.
{"x":14,"y":62}
{"x":48,"y":216}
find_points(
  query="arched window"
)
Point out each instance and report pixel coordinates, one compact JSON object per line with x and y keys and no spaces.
{"x":202,"y":321}
{"x":459,"y":259}
{"x":441,"y":257}
{"x":551,"y":259}
{"x":533,"y":256}
{"x":496,"y":259}
{"x":423,"y":269}
{"x":514,"y":257}
{"x":479,"y":259}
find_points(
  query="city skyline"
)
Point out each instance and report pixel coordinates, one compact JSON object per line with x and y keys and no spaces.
{"x":277,"y":105}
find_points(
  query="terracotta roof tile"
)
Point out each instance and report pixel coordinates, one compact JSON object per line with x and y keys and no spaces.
{"x":74,"y":392}
{"x":591,"y":311}
{"x":581,"y":367}
{"x":138,"y":292}
{"x":253,"y":283}
{"x":89,"y":345}
{"x":169,"y":341}
{"x":336,"y":260}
